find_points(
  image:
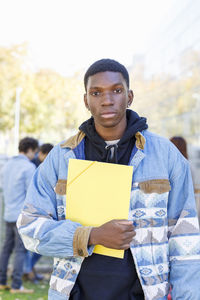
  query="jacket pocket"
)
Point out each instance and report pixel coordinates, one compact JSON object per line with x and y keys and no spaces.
{"x":158,"y":186}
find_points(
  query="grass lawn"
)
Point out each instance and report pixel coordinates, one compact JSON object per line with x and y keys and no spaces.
{"x":41,"y":292}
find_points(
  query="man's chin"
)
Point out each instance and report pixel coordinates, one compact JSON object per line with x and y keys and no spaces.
{"x":109,"y":124}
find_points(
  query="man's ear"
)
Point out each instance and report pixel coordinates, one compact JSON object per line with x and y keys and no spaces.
{"x":130,"y":97}
{"x":86,"y":102}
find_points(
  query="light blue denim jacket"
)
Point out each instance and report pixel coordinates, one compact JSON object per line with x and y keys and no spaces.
{"x":166,"y":247}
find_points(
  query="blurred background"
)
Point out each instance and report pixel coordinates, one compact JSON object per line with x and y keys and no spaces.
{"x":47,"y":45}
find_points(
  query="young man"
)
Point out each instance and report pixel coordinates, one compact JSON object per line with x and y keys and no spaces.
{"x":17,"y":175}
{"x":161,"y":236}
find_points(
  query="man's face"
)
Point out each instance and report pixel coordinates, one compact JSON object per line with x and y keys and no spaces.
{"x":42,"y":156}
{"x":107,"y":98}
{"x":31,"y":153}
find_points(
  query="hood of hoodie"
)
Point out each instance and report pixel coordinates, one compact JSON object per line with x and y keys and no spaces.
{"x":96,"y":148}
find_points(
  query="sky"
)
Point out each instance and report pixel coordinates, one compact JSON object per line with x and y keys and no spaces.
{"x":70,"y":35}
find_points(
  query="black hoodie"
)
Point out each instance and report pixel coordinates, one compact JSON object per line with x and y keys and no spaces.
{"x":96,"y":148}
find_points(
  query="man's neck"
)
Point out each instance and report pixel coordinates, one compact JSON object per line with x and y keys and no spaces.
{"x":23,"y":153}
{"x":111,"y":133}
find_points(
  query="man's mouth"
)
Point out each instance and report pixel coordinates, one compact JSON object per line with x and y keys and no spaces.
{"x":108,"y":115}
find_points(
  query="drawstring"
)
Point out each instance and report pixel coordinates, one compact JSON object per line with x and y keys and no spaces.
{"x":111,"y":157}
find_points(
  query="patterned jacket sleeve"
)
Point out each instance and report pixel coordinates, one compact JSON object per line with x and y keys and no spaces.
{"x":38,"y":225}
{"x":184,"y":237}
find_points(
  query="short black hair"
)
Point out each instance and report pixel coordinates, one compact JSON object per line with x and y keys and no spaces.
{"x":45,"y":148}
{"x":27,"y":143}
{"x":104,"y":65}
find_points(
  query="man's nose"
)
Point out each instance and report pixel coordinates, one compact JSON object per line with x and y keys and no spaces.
{"x":107,"y":99}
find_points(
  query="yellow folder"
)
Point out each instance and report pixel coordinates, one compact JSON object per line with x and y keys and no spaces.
{"x":97,"y":193}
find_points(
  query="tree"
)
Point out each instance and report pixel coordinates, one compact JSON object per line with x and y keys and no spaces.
{"x":51,"y":104}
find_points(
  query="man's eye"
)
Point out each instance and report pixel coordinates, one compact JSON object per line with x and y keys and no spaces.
{"x":95,"y":93}
{"x":118,"y":91}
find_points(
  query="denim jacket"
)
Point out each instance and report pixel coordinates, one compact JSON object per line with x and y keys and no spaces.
{"x":166,"y":247}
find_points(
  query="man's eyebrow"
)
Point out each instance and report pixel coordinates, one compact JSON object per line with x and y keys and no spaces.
{"x":100,"y":87}
{"x":118,"y":83}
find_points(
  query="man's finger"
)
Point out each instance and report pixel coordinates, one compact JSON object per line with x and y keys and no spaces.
{"x":125,"y":246}
{"x":125,"y":222}
{"x":130,"y":235}
{"x":127,"y":226}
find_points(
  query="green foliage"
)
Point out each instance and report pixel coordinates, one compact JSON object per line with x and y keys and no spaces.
{"x":12,"y":68}
{"x":50,"y":103}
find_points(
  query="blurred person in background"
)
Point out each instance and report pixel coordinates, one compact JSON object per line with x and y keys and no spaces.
{"x":32,"y":257}
{"x":17,"y":174}
{"x":181,"y":144}
{"x":43,"y":151}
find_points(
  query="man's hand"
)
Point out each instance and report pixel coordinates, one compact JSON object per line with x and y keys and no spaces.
{"x":115,"y":234}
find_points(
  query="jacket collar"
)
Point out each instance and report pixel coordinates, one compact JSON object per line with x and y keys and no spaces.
{"x":75,"y":140}
{"x":140,"y":141}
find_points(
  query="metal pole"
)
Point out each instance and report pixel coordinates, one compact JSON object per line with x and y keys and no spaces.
{"x":17,"y":119}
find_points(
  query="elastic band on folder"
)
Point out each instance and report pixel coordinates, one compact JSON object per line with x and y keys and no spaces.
{"x":80,"y":173}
